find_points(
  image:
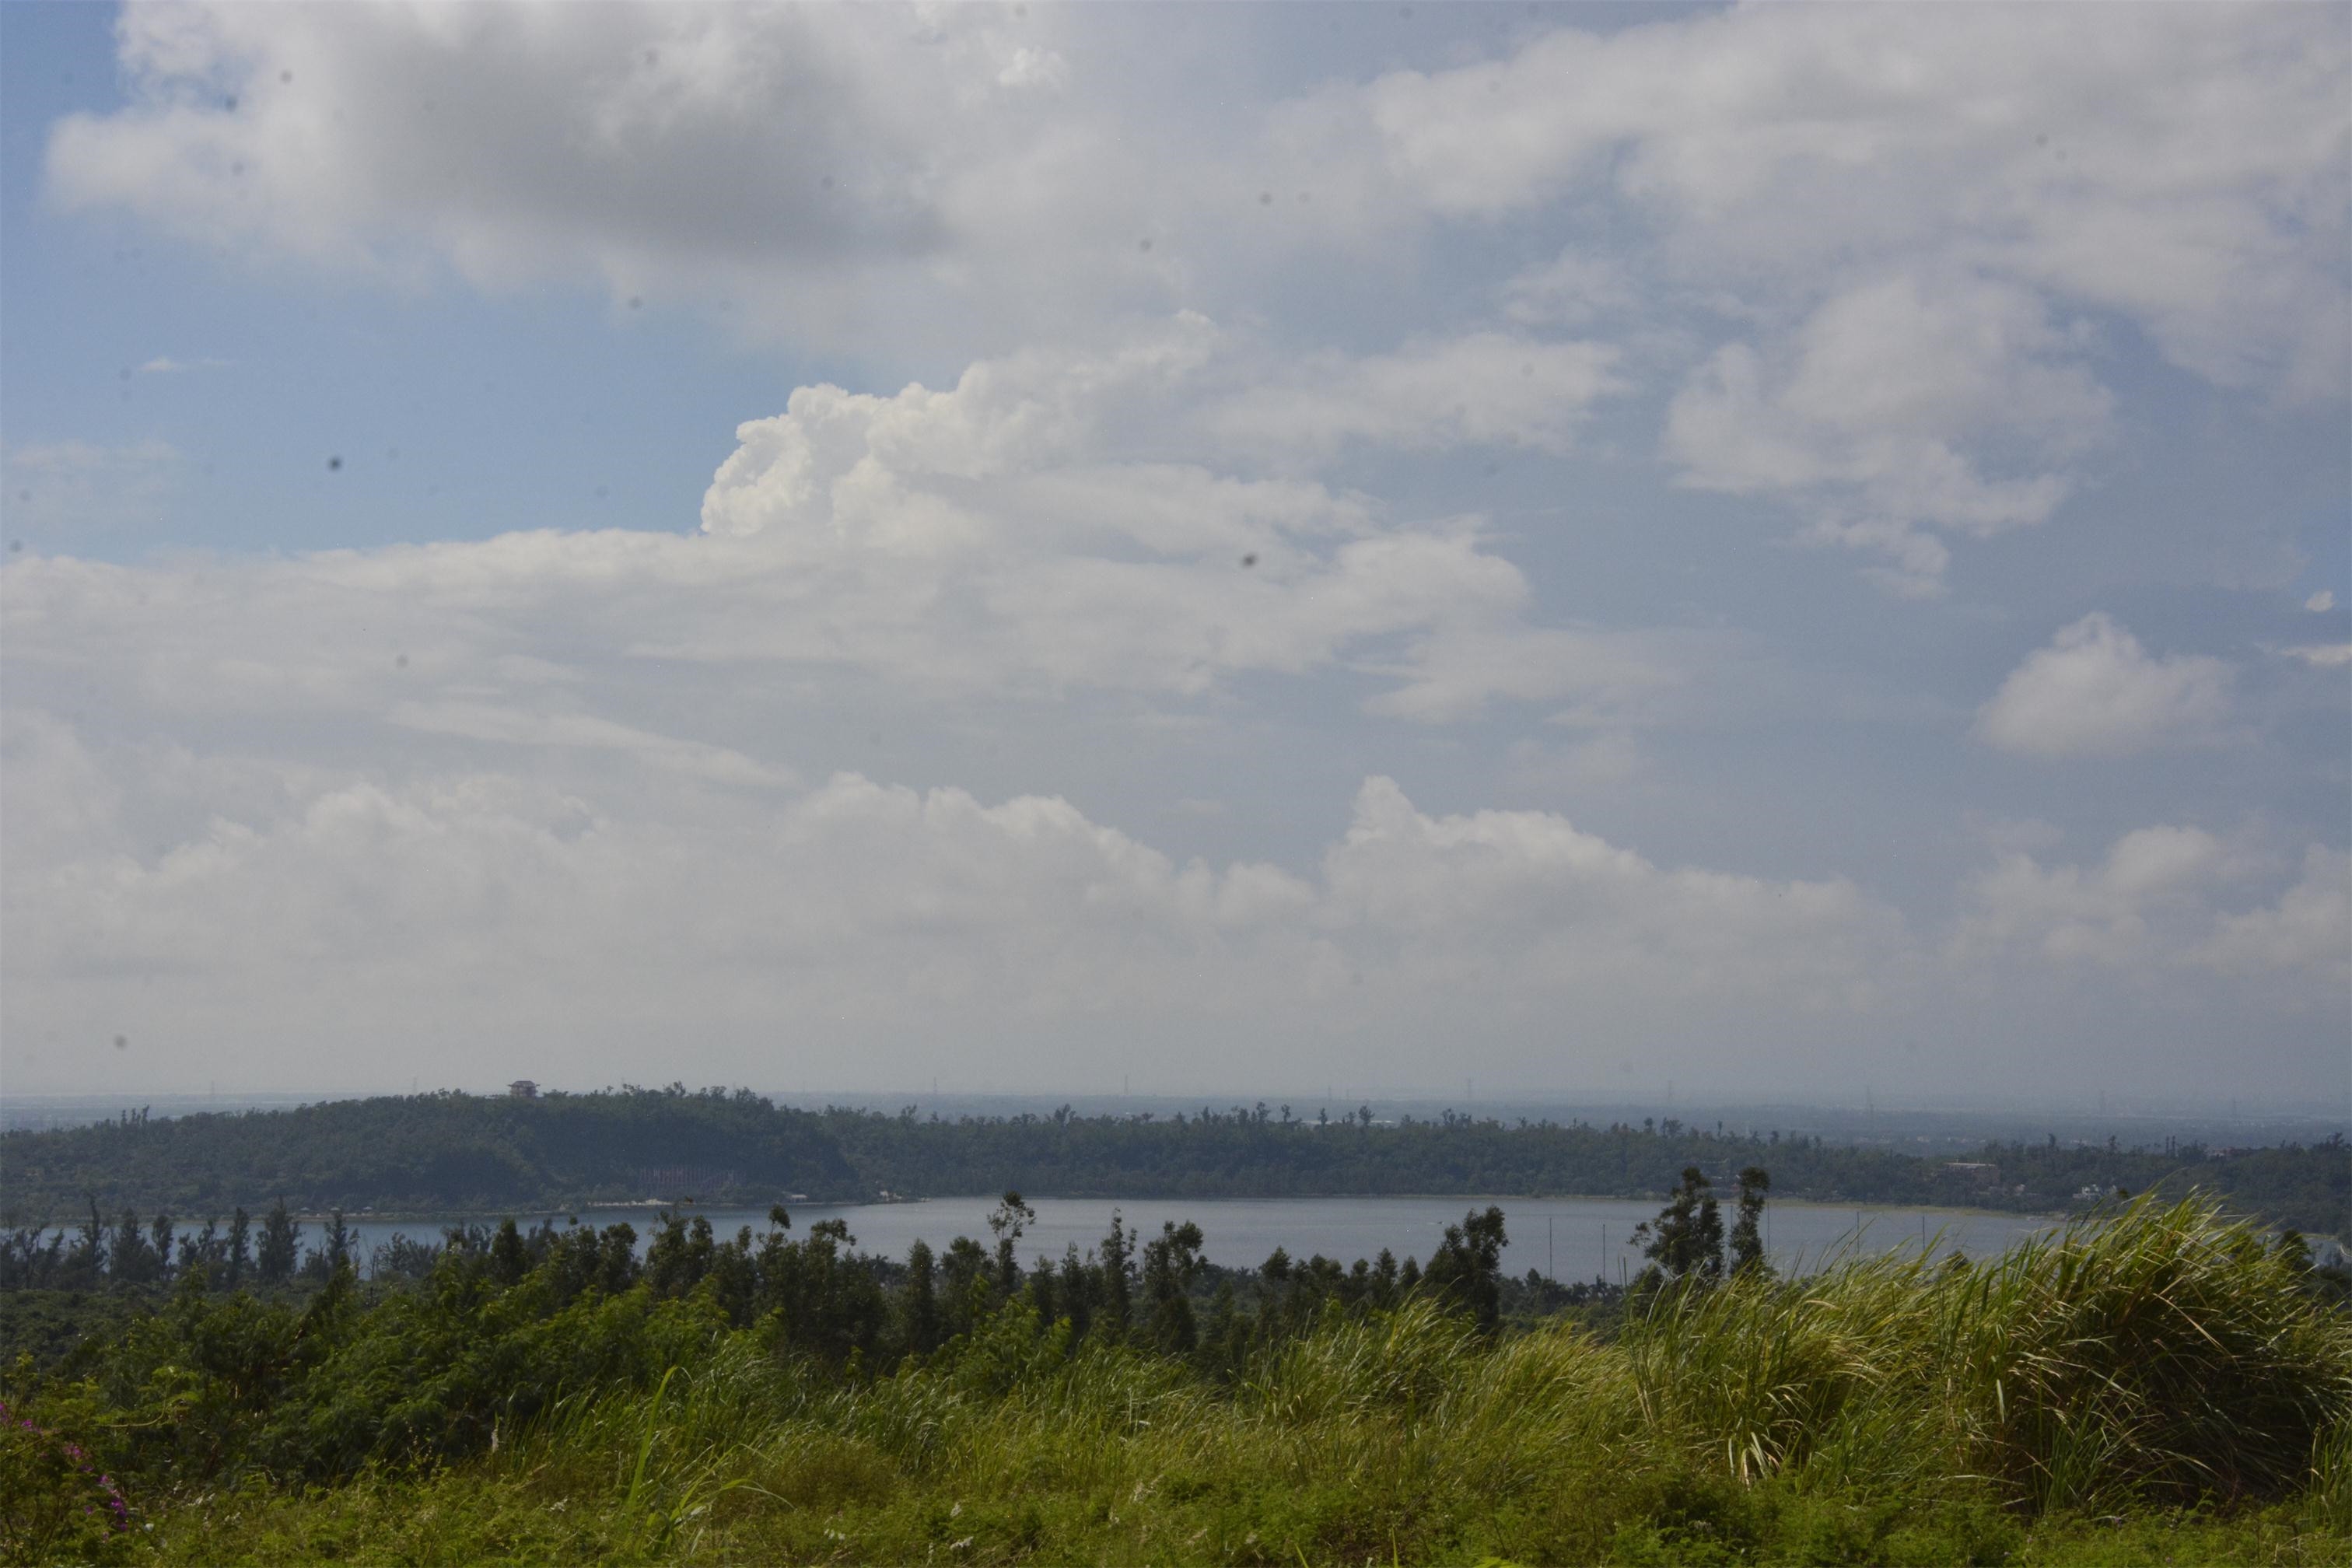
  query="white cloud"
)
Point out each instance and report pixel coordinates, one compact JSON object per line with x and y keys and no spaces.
{"x":1571,"y":289}
{"x":2324,"y":655}
{"x":68,"y":494}
{"x":485,"y":721}
{"x":996,"y":530}
{"x":1601,"y":761}
{"x":479,"y":922}
{"x":2154,"y":908}
{"x":1485,"y":389}
{"x":842,"y":173}
{"x":2096,"y":692}
{"x":1051,"y":523}
{"x":1873,"y":263}
{"x":1888,"y":395}
{"x":2054,"y":148}
{"x":472,"y":912}
{"x":2319,"y":603}
{"x":2308,"y":933}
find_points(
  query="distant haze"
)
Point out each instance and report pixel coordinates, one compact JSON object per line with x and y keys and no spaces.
{"x":1797,"y":554}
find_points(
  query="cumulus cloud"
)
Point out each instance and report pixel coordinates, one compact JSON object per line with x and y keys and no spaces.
{"x":1871,"y":269}
{"x":858,"y":912}
{"x":1571,"y":289}
{"x":1488,"y":389}
{"x":2096,"y":692}
{"x":849,"y":172}
{"x":1879,"y":410}
{"x":997,"y":528}
{"x":511,"y":145}
{"x":487,"y":721}
{"x":1045,"y":525}
{"x":2155,"y":906}
{"x":859,"y":931}
{"x":2053,"y":149}
{"x":2308,"y":933}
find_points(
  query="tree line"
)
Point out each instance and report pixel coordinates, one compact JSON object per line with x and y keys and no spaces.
{"x":454,"y":1152}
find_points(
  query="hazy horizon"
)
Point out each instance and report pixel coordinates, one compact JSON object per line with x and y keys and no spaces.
{"x":1798,"y":553}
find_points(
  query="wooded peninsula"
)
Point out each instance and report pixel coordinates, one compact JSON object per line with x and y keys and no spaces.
{"x":451,"y":1153}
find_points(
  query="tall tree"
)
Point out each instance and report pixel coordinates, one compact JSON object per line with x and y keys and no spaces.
{"x":1006,"y":1222}
{"x":89,"y":1254}
{"x":1685,"y":1240}
{"x":134,"y":1260}
{"x":918,"y":1303}
{"x":1467,"y":1267}
{"x":1171,"y":1260}
{"x":1117,"y":1275}
{"x":281,"y":1237}
{"x":1747,"y":1234}
{"x":240,"y":1256}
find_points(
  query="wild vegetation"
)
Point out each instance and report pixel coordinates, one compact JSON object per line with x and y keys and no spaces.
{"x":444,"y":1152}
{"x":2154,"y":1384}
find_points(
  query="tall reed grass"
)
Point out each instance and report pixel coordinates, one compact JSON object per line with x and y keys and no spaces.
{"x":1887,"y":1409}
{"x":2158,"y":1353}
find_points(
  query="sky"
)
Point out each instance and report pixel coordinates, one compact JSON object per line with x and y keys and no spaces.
{"x":1787,"y":552}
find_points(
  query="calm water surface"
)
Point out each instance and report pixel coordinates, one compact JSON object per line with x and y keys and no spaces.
{"x":1571,"y":1238}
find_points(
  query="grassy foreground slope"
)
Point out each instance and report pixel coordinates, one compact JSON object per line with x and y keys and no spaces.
{"x":2164,"y":1388}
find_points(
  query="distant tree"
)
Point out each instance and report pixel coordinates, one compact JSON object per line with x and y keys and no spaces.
{"x":918,"y":1303}
{"x":281,"y":1237}
{"x":206,"y":1249}
{"x":1467,"y":1267}
{"x":89,"y":1254}
{"x":1171,"y":1260}
{"x":1006,"y":1222}
{"x":616,"y":1259}
{"x":968,"y":1282}
{"x":237,"y":1254}
{"x":510,"y":1259}
{"x":338,"y":1241}
{"x":1746,"y":1235}
{"x":1074,"y":1291}
{"x":159,"y":1244}
{"x":132,"y":1261}
{"x":1685,"y":1240}
{"x":1117,"y":1276}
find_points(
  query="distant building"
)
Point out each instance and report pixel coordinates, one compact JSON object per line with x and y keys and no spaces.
{"x":523,"y":1089}
{"x":1977,"y":1170}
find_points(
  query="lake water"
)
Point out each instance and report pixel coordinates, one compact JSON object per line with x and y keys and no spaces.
{"x":1572,"y":1239}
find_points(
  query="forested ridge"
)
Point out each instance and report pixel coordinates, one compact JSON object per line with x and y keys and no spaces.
{"x":449,"y":1152}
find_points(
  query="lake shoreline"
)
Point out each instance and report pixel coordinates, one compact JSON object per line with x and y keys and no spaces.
{"x":689,"y":1207}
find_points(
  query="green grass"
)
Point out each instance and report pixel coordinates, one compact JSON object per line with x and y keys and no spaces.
{"x":2158,"y":1389}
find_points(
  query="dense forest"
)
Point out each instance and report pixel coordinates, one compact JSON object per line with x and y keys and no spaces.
{"x":454,"y":1152}
{"x":2157,"y":1382}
